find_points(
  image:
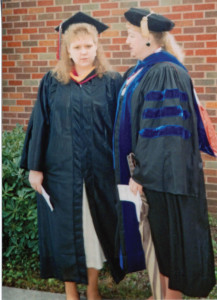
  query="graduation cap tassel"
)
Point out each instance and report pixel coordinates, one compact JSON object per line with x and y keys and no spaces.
{"x":59,"y":42}
{"x":144,"y":25}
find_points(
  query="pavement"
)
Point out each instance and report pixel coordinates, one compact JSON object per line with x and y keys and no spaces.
{"x":9,"y":293}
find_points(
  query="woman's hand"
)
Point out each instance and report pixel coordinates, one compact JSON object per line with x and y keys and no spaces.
{"x":135,"y":187}
{"x":36,"y":179}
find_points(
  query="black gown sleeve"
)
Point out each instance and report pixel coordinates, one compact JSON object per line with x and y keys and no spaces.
{"x":37,"y":133}
{"x":167,"y":150}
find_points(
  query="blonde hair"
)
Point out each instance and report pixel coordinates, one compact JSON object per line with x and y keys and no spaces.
{"x":167,"y":41}
{"x":164,"y":39}
{"x":65,"y":64}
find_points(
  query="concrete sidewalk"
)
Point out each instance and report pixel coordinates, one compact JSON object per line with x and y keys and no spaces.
{"x":9,"y":293}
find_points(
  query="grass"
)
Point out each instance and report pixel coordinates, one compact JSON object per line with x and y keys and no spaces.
{"x":135,"y":286}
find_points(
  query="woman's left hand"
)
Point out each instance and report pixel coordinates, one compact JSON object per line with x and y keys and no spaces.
{"x":135,"y":187}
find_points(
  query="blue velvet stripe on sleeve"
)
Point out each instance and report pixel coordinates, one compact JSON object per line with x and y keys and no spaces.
{"x":166,"y":130}
{"x":168,"y":111}
{"x":166,"y":94}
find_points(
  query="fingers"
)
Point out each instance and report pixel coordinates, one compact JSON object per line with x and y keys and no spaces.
{"x":37,"y":188}
{"x":36,"y":179}
{"x":135,"y":187}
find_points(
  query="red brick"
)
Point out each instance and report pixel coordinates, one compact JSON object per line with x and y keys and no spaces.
{"x":21,"y":37}
{"x":211,"y":44}
{"x":119,"y":12}
{"x":211,"y":90}
{"x":205,"y":67}
{"x":211,"y":60}
{"x":14,"y":44}
{"x":204,"y":6}
{"x":54,"y":9}
{"x":29,"y":18}
{"x":211,"y":29}
{"x":22,"y":50}
{"x":206,"y":52}
{"x":15,"y":82}
{"x":176,"y":30}
{"x":173,"y":16}
{"x":39,"y":63}
{"x":193,"y":15}
{"x":46,"y":3}
{"x":148,"y":3}
{"x":36,"y":10}
{"x":121,"y":54}
{"x":28,"y":4}
{"x":30,"y":30}
{"x":184,"y":23}
{"x":109,"y":5}
{"x":8,"y":76}
{"x":212,"y":180}
{"x":184,"y":38}
{"x":118,"y":40}
{"x":182,"y":8}
{"x":20,"y":11}
{"x":101,"y":13}
{"x":9,"y":115}
{"x":16,"y":108}
{"x":194,"y":30}
{"x":30,"y":56}
{"x":53,"y":23}
{"x":162,"y":10}
{"x":39,"y":50}
{"x":8,"y":63}
{"x":5,"y":108}
{"x":7,"y":38}
{"x":194,"y":45}
{"x":205,"y":22}
{"x":15,"y":121}
{"x":203,"y":37}
{"x":24,"y":102}
{"x":37,"y":76}
{"x":199,"y":89}
{"x":196,"y":74}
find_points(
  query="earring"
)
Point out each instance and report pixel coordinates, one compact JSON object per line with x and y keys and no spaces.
{"x":148,"y":44}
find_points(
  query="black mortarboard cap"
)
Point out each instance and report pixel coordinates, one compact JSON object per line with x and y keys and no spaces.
{"x":156,"y":23}
{"x":80,"y":17}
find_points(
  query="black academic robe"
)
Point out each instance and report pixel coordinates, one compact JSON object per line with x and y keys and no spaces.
{"x":69,"y":139}
{"x":157,"y":122}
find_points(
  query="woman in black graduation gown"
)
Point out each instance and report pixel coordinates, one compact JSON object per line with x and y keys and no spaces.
{"x":68,"y":150}
{"x":157,"y":120}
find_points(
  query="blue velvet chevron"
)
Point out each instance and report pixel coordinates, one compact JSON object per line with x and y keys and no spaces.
{"x":168,"y":111}
{"x":166,"y":94}
{"x":167,"y":130}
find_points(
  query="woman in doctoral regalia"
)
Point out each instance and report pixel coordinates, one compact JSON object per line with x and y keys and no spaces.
{"x":158,"y":119}
{"x":68,"y":150}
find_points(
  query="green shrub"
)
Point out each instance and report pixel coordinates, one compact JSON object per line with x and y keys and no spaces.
{"x":20,"y":240}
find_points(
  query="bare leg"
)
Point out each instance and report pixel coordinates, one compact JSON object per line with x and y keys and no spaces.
{"x":92,"y":288}
{"x":71,"y":291}
{"x":170,"y":294}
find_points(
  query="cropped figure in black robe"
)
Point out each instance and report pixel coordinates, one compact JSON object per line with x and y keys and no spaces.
{"x":69,"y":144}
{"x":158,"y":120}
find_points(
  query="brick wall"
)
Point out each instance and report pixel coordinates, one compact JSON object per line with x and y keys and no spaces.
{"x":29,"y":51}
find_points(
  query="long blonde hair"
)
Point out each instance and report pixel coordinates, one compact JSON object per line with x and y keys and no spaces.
{"x":65,"y":64}
{"x":164,"y":39}
{"x":167,"y":41}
